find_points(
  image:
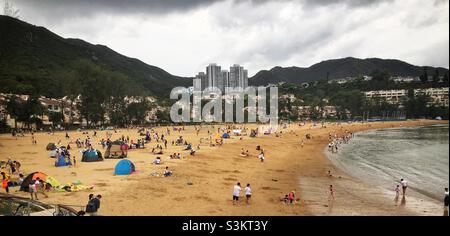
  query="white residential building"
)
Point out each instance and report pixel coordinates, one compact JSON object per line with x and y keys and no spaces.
{"x":438,"y":96}
{"x":391,"y":96}
{"x":213,"y":73}
{"x":215,"y":77}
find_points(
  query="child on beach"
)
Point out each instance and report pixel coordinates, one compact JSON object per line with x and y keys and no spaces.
{"x":330,"y":193}
{"x":397,"y":193}
{"x":291,"y":197}
{"x":33,"y":190}
{"x":167,"y":172}
{"x":261,"y":157}
{"x":5,"y":181}
{"x":285,"y":199}
{"x":248,"y":193}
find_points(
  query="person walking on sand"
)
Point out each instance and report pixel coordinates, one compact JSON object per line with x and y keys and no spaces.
{"x":236,"y":191}
{"x":331,"y":193}
{"x":248,"y":194}
{"x":404,"y":186}
{"x":446,"y":199}
{"x":397,"y":193}
{"x":261,"y":156}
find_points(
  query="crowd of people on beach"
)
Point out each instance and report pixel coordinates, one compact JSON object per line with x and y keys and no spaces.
{"x":336,"y":140}
{"x":150,"y":137}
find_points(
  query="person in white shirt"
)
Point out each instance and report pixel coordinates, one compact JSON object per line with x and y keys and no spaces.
{"x":404,"y":186}
{"x":261,"y":157}
{"x":236,"y":191}
{"x":248,"y":193}
{"x":33,"y":189}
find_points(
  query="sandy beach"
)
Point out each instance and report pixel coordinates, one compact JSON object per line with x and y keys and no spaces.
{"x":214,"y":170}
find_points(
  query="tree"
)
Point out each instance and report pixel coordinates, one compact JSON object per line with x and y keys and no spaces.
{"x":424,"y":76}
{"x":436,"y":76}
{"x":14,"y":107}
{"x":56,"y":118}
{"x":31,"y":111}
{"x":348,"y":100}
{"x":163,"y":116}
{"x":416,"y":106}
{"x":446,"y":78}
{"x":137,"y":111}
{"x":92,"y":92}
{"x":4,"y":127}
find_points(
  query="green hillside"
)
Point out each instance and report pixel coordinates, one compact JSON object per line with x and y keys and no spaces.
{"x":34,"y":60}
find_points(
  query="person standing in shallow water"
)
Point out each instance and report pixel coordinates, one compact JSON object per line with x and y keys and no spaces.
{"x":446,"y":199}
{"x":397,"y":193}
{"x":404,"y":186}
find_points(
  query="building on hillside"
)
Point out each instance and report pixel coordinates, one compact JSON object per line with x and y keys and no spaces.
{"x":215,"y":77}
{"x":288,"y":97}
{"x":213,"y":73}
{"x":438,"y":96}
{"x":391,"y":96}
{"x":405,"y":79}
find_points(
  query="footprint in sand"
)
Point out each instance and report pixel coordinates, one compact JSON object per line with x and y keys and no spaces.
{"x":101,"y":184}
{"x":230,"y":179}
{"x":270,"y":188}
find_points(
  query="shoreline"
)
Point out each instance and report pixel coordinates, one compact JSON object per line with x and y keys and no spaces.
{"x":363,"y":195}
{"x":416,"y":193}
{"x":213,"y":172}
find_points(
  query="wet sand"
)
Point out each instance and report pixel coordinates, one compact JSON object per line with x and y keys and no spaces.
{"x":214,"y":170}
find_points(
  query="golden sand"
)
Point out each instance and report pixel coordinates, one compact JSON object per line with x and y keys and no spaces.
{"x":213,"y":172}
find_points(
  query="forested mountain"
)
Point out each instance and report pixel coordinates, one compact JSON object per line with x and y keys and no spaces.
{"x":34,"y":60}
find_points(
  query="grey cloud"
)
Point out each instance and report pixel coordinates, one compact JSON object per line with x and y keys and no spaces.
{"x":348,"y":3}
{"x":258,"y":33}
{"x":83,"y":8}
{"x":75,"y":8}
{"x":87,"y":7}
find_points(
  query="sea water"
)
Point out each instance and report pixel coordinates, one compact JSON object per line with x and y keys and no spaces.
{"x":382,"y":157}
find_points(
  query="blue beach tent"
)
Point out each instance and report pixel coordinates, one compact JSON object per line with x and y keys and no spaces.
{"x":61,"y":161}
{"x":225,"y":135}
{"x":124,"y":167}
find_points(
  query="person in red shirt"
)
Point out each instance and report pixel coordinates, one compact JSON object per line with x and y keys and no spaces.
{"x":291,"y":197}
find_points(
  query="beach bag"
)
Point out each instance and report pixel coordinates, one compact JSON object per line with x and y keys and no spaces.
{"x":90,"y":207}
{"x":4,"y":184}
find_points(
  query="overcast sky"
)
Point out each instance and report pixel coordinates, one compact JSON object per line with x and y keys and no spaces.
{"x":183,"y":36}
